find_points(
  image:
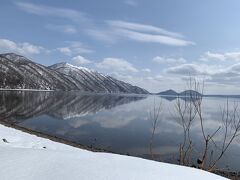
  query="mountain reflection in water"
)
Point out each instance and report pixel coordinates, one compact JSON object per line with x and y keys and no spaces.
{"x":18,"y":106}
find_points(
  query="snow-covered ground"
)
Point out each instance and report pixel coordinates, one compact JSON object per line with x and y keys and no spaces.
{"x":28,"y":157}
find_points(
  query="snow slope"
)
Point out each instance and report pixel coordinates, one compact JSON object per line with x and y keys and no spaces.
{"x":23,"y":157}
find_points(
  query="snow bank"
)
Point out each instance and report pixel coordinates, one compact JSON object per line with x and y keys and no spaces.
{"x":28,"y":157}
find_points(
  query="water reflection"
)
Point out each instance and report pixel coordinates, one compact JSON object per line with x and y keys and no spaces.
{"x":184,"y":98}
{"x":116,"y":123}
{"x":17,"y":106}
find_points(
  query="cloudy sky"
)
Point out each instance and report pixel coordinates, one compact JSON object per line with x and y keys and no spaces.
{"x":155,"y":44}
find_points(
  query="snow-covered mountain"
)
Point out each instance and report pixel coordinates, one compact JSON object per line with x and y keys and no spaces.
{"x":90,"y":80}
{"x":18,"y":72}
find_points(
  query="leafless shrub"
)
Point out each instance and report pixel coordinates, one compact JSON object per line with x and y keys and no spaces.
{"x":191,"y":110}
{"x":154,"y":118}
{"x":231,"y":127}
{"x":187,"y":112}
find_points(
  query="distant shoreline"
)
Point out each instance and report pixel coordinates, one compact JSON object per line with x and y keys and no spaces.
{"x":82,"y":92}
{"x":204,"y":95}
{"x":2,"y":89}
{"x":130,"y":94}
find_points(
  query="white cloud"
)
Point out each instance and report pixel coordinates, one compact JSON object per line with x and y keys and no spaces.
{"x":146,"y":70}
{"x":235,"y":56}
{"x":146,"y":33}
{"x":74,"y":48}
{"x":79,"y":60}
{"x":153,"y":38}
{"x":194,"y":69}
{"x":67,"y":29}
{"x":122,"y":30}
{"x":141,"y":28}
{"x":24,"y":48}
{"x":232,"y":55}
{"x":65,"y":50}
{"x":116,"y":64}
{"x":234,"y":68}
{"x":43,"y":10}
{"x":186,"y":69}
{"x":131,"y":3}
{"x":164,"y":60}
{"x":213,"y":56}
{"x":217,"y":74}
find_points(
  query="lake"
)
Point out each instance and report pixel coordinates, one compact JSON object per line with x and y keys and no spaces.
{"x":119,"y":123}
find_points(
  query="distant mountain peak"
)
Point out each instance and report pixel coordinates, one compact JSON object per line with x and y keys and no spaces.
{"x":169,"y":92}
{"x":190,"y":93}
{"x":68,"y":65}
{"x":13,"y":56}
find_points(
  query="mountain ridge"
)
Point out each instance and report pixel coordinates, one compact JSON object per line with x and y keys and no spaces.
{"x":19,"y":72}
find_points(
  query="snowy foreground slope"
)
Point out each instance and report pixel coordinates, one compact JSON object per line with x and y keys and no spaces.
{"x":28,"y":157}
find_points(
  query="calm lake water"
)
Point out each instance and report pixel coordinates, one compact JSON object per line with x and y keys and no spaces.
{"x":117,"y":123}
